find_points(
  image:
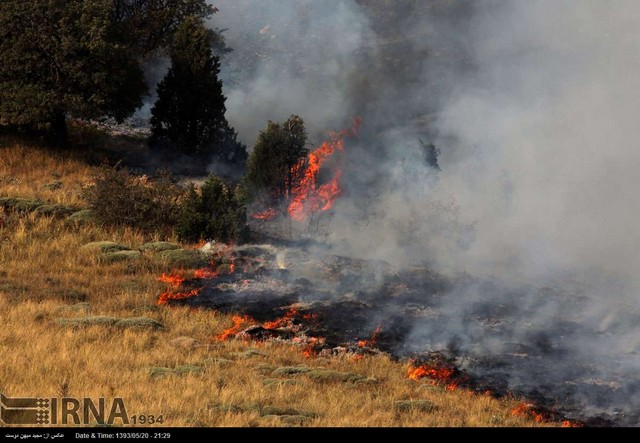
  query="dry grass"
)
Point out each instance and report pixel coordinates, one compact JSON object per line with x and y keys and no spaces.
{"x":42,"y":277}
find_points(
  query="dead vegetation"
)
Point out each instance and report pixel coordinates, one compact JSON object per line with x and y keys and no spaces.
{"x":73,"y":322}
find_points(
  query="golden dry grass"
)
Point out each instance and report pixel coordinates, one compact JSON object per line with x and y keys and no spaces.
{"x":42,"y":276}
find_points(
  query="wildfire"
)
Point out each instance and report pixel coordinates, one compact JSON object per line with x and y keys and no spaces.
{"x":528,"y":410}
{"x":282,"y":321}
{"x":310,"y":350}
{"x":206,"y":273}
{"x":371,"y":341}
{"x":437,"y":375}
{"x":307,"y":197}
{"x":173,"y":296}
{"x":239,"y":322}
{"x":175,"y":280}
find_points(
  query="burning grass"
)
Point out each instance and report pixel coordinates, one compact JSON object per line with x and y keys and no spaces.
{"x":40,"y":266}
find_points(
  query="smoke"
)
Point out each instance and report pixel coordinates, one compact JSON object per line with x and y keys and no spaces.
{"x":290,"y":56}
{"x":533,"y":105}
{"x":545,"y":156}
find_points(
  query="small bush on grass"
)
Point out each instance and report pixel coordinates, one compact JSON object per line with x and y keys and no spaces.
{"x":214,"y":213}
{"x":120,"y":198}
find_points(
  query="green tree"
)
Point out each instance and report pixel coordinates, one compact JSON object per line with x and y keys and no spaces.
{"x":214,"y":214}
{"x":58,"y":58}
{"x":189,"y":115}
{"x":272,"y":171}
{"x":147,"y":26}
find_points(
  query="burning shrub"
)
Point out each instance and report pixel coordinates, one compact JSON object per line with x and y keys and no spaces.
{"x":213,"y":214}
{"x":121,"y":198}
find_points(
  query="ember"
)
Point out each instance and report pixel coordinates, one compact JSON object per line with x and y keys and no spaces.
{"x":206,"y":274}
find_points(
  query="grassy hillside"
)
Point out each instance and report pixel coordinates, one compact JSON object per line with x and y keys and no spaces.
{"x":172,"y":366}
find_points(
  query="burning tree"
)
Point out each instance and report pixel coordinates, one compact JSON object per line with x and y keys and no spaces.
{"x":282,"y":171}
{"x":272,"y":169}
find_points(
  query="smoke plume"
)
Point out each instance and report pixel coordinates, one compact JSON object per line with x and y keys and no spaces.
{"x":532,"y":105}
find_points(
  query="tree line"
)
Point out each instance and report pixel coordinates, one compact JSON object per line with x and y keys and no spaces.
{"x":85,"y":59}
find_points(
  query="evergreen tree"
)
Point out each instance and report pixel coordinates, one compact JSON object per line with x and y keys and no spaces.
{"x":147,"y":26}
{"x":189,"y":115}
{"x":58,"y":58}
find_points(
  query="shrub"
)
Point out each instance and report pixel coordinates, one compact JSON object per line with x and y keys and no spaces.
{"x":213,"y":214}
{"x":120,"y":198}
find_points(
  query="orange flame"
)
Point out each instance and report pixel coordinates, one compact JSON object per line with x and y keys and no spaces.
{"x":175,"y":280}
{"x":528,"y":410}
{"x":371,"y":341}
{"x":168,"y":296}
{"x":239,"y":322}
{"x":205,"y":273}
{"x":307,"y":197}
{"x":310,"y":350}
{"x":437,"y":375}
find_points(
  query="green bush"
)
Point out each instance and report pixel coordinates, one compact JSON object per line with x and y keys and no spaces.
{"x":213,"y":214}
{"x":121,"y":198}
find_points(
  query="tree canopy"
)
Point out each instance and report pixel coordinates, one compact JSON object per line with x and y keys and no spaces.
{"x":80,"y":57}
{"x":148,"y":25}
{"x":57,"y":58}
{"x":189,"y":115}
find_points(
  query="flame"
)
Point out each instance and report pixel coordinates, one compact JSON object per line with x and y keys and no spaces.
{"x":371,"y":341}
{"x":307,"y":197}
{"x":282,"y":321}
{"x":437,"y":375}
{"x":232,"y":268}
{"x":175,"y":280}
{"x":239,"y":322}
{"x":168,"y":296}
{"x":206,"y":273}
{"x":528,"y":410}
{"x":310,"y":350}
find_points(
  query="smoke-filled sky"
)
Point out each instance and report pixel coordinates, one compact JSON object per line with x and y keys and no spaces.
{"x":534,"y":107}
{"x":532,"y":104}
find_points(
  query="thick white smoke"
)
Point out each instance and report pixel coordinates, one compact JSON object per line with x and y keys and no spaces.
{"x":290,"y":56}
{"x":546,"y":155}
{"x":533,"y":104}
{"x":538,"y":133}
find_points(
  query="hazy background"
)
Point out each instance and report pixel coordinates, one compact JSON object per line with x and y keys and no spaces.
{"x":534,"y":105}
